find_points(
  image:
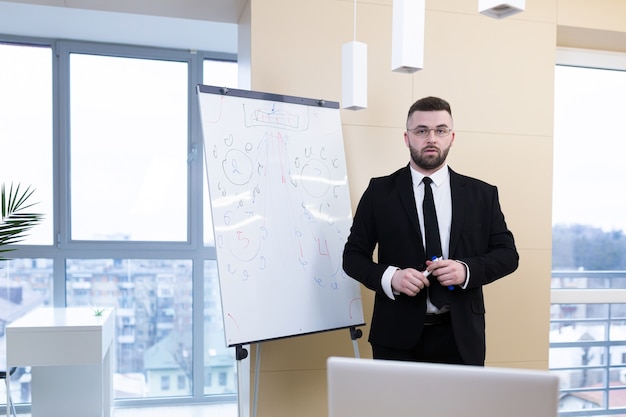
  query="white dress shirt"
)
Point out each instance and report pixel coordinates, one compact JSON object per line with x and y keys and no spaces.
{"x":443,"y":206}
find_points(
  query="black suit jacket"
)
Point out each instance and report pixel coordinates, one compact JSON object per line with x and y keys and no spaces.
{"x":387,"y":216}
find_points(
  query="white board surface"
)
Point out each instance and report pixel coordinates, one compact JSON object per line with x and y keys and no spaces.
{"x":280,"y":204}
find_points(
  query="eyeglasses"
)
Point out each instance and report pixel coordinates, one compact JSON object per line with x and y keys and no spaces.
{"x":422,"y":132}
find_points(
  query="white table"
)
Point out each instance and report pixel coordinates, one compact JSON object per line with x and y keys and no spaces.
{"x":69,"y":350}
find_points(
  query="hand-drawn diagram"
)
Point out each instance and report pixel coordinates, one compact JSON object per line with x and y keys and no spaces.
{"x":281,"y":212}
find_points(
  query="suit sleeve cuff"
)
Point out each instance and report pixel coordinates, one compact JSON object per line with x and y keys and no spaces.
{"x":385,"y":282}
{"x":467,"y":274}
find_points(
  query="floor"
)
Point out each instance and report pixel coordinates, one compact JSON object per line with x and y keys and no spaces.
{"x":213,"y":410}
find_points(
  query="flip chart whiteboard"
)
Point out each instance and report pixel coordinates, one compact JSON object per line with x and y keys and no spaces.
{"x":280,"y":204}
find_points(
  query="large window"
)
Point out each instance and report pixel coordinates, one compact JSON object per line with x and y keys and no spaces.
{"x":109,"y":137}
{"x":588,"y":325}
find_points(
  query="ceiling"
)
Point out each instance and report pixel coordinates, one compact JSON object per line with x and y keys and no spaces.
{"x":207,"y":25}
{"x":226,"y":11}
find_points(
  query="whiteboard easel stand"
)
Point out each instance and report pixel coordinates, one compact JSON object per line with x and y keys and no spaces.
{"x":354,"y":335}
{"x":257,"y":371}
{"x":313,"y":127}
{"x":242,"y":354}
{"x":243,"y":385}
{"x":243,"y":378}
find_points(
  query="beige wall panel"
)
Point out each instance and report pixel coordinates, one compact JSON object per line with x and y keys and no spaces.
{"x":506,"y":51}
{"x":373,"y":152}
{"x":575,"y":37}
{"x":601,"y":26}
{"x":498,"y":77}
{"x":516,"y":165}
{"x":519,"y":365}
{"x":605,"y":15}
{"x":292,"y":394}
{"x":296,"y":46}
{"x":518,"y":312}
{"x":312,"y":68}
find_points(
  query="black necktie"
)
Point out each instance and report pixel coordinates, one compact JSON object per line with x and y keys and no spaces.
{"x":437,"y":293}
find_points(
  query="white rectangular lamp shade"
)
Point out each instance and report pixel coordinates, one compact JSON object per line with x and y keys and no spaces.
{"x":407,"y":35}
{"x":354,"y":75}
{"x":499,"y":9}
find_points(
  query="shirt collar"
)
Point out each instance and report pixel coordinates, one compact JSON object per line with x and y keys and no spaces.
{"x":439,"y":176}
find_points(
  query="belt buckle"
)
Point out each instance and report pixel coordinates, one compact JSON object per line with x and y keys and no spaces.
{"x":436,"y":319}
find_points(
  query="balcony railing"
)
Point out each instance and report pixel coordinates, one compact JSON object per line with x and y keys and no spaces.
{"x":588,"y":341}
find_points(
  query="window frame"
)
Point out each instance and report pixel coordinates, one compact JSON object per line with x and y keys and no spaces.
{"x":605,"y":60}
{"x":63,"y":248}
{"x":608,"y":60}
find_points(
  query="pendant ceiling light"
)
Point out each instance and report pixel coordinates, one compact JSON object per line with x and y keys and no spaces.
{"x":498,"y":9}
{"x":354,"y":73}
{"x":407,"y":36}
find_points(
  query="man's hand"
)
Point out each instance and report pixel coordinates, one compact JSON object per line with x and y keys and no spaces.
{"x":409,"y":281}
{"x":447,"y":271}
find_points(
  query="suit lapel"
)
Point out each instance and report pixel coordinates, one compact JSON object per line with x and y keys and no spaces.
{"x":404,"y":184}
{"x":460,"y":199}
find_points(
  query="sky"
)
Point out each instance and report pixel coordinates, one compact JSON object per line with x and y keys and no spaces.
{"x":589,"y":146}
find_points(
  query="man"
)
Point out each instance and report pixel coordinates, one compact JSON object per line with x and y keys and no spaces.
{"x":475,"y":244}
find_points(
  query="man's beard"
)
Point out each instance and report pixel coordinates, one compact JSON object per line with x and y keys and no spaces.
{"x":430,"y":161}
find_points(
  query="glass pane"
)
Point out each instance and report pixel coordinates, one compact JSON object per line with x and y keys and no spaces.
{"x":583,"y":400}
{"x":575,"y":316}
{"x":220,"y":376}
{"x":618,"y":311}
{"x":26,"y":129}
{"x":588,"y":232}
{"x":578,"y":117}
{"x":153,"y":304}
{"x":25,"y":284}
{"x":617,"y":334}
{"x":223,"y":74}
{"x":129,"y":141}
{"x":588,"y":353}
{"x":616,"y":399}
{"x":220,"y":73}
{"x":588,"y":341}
{"x":581,"y":280}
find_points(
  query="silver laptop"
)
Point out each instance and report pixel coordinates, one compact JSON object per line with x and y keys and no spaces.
{"x":378,"y":388}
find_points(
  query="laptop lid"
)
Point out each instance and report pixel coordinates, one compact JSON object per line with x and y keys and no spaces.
{"x":380,"y":388}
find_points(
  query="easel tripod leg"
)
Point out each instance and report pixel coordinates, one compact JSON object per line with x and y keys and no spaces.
{"x":354,"y":335}
{"x":243,"y":381}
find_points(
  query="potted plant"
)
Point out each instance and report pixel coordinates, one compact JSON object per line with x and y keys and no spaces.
{"x":15,"y":221}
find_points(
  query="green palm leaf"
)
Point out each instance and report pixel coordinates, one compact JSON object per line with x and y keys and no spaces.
{"x":15,"y":221}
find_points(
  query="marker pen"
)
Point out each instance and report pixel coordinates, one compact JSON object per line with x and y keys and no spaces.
{"x":427,"y":273}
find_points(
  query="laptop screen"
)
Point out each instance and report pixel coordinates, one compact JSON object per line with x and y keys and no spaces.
{"x":381,"y":388}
